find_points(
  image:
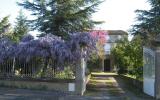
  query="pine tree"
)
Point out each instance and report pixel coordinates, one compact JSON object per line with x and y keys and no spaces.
{"x":21,"y":26}
{"x":4,"y":26}
{"x":148,"y":25}
{"x":61,"y":17}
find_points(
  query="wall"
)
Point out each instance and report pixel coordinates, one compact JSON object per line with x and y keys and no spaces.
{"x":77,"y":86}
{"x":149,"y":71}
{"x":60,"y":86}
{"x":157,"y":73}
{"x":111,"y":42}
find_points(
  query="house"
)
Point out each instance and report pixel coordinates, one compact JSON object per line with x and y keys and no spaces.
{"x":112,"y":38}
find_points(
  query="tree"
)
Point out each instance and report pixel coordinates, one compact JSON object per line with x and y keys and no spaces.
{"x":4,"y":26}
{"x":128,"y":56}
{"x":45,"y":52}
{"x":21,"y":26}
{"x":53,"y":49}
{"x":7,"y":49}
{"x":101,"y":41}
{"x":148,"y":25}
{"x":97,"y":60}
{"x":136,"y":56}
{"x":119,"y":52}
{"x":61,"y":17}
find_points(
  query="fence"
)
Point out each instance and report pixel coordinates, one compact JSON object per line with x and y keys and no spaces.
{"x":36,"y":68}
{"x":37,"y":74}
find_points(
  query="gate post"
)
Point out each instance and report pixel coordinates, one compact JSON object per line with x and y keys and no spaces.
{"x":80,"y":77}
{"x":154,"y":71}
{"x":157,"y":74}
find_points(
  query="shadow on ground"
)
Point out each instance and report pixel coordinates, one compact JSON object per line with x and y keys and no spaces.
{"x":110,"y":86}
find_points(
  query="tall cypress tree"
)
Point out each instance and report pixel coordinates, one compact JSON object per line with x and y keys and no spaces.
{"x":148,"y":25}
{"x":21,"y":26}
{"x":4,"y":26}
{"x":61,"y":17}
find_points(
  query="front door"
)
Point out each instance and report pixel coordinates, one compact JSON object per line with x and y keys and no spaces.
{"x":107,"y":66}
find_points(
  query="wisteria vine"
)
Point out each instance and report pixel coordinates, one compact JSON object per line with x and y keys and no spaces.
{"x":49,"y":47}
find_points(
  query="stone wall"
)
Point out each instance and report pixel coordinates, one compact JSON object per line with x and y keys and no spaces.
{"x":60,"y":86}
{"x":151,"y":71}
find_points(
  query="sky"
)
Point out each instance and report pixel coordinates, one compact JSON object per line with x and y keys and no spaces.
{"x":117,"y":14}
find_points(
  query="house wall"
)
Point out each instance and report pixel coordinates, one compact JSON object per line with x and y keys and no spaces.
{"x":112,"y":40}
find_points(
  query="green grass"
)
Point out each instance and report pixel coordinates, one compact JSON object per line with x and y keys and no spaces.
{"x":103,"y":73}
{"x":133,"y":77}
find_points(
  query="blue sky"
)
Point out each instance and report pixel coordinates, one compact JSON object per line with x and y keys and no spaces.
{"x":117,"y":14}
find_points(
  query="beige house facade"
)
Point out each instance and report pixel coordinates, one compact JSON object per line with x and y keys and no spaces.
{"x":112,"y":39}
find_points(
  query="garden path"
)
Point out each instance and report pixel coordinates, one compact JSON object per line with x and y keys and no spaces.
{"x":110,"y":86}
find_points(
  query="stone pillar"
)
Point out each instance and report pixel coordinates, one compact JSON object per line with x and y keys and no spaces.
{"x":155,"y":45}
{"x":80,"y":77}
{"x":157,"y":73}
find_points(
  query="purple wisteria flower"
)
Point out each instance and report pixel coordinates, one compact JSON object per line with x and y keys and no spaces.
{"x":50,"y":47}
{"x":7,"y":49}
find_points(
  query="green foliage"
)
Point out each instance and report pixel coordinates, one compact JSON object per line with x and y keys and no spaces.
{"x":61,"y":17}
{"x":4,"y":27}
{"x":128,"y":56}
{"x":148,"y":25}
{"x":100,"y":50}
{"x":21,"y":27}
{"x":120,"y":55}
{"x":94,"y":64}
{"x":67,"y":73}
